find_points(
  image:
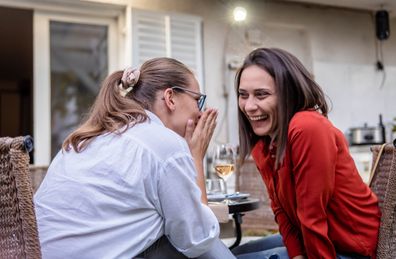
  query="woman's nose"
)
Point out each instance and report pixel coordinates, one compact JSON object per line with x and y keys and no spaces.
{"x":200,"y":112}
{"x":250,"y":104}
{"x":198,"y":116}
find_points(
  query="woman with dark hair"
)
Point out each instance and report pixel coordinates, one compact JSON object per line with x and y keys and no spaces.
{"x":322,"y":206}
{"x":129,"y":181}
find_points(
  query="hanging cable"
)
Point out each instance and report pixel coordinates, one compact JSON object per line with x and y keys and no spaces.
{"x":379,"y":50}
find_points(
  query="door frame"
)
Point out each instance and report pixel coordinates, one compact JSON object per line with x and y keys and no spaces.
{"x":42,"y":73}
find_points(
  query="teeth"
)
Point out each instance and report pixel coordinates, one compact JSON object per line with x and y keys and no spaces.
{"x":256,"y":118}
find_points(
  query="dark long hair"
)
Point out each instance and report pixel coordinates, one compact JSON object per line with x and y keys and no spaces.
{"x":111,"y":111}
{"x":296,"y":91}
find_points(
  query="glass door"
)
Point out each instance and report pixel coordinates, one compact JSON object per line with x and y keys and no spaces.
{"x":72,"y":57}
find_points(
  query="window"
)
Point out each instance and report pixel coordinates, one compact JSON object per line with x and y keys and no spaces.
{"x":72,"y":54}
{"x":78,"y":63}
{"x":156,"y":34}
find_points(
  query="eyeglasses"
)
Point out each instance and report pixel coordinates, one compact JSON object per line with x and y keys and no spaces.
{"x":200,"y":101}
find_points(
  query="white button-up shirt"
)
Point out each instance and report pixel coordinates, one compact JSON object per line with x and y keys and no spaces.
{"x":122,"y":193}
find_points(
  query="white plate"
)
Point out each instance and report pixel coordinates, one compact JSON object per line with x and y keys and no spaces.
{"x":232,"y":196}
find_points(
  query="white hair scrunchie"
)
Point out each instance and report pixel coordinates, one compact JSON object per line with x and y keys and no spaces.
{"x":129,"y":79}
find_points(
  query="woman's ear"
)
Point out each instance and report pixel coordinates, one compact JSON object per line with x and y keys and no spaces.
{"x":169,"y":98}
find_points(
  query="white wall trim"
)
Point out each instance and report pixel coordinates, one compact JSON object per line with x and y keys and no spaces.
{"x":68,"y":6}
{"x":41,"y":70}
{"x":41,"y":91}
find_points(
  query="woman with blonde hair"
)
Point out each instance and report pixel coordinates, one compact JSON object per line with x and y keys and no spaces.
{"x":129,"y":181}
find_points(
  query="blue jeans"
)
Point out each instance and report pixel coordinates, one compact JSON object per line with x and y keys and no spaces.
{"x":269,"y":247}
{"x":272,"y":247}
{"x":343,"y":256}
{"x":162,"y":248}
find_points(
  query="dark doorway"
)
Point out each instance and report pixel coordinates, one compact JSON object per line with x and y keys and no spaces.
{"x":16,"y":72}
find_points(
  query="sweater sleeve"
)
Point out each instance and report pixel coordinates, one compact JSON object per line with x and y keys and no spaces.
{"x":313,"y":154}
{"x":291,"y":235}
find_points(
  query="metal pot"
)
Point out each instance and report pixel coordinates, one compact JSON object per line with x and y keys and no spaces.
{"x":366,"y":135}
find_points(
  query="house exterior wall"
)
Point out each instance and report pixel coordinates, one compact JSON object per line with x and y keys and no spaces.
{"x":337,"y":45}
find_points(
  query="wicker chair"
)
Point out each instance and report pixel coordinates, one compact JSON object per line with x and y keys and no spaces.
{"x":383,"y":184}
{"x":18,"y":227}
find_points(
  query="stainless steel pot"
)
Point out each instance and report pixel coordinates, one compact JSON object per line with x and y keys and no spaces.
{"x":366,"y":135}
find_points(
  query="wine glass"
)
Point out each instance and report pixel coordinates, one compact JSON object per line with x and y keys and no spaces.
{"x":224,"y":158}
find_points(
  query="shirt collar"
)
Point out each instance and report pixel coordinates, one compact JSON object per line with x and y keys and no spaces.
{"x":153,"y":117}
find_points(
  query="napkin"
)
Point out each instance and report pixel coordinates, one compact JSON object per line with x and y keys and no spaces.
{"x":220,"y":210}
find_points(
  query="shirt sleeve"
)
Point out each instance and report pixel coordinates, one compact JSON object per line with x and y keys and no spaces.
{"x":291,"y":236}
{"x":313,"y":153}
{"x":190,"y":225}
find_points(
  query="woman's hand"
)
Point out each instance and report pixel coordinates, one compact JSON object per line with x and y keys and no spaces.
{"x":198,"y":137}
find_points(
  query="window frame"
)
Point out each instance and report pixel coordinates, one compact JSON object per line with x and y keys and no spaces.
{"x":42,"y":72}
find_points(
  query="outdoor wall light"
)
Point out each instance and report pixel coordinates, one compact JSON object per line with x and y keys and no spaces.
{"x":239,"y":14}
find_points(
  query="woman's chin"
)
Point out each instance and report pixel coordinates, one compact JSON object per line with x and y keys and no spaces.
{"x":261,"y":132}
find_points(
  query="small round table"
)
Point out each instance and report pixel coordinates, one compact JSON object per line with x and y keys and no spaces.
{"x":236,"y":208}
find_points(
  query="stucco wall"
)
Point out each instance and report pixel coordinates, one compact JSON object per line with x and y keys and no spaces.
{"x":337,"y":45}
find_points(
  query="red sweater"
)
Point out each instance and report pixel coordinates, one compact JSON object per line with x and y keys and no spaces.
{"x":319,"y":199}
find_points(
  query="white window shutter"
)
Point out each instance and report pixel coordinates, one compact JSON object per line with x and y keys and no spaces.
{"x":186,"y":43}
{"x":148,"y":36}
{"x":156,"y":34}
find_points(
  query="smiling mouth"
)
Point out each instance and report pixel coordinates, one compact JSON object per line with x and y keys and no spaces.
{"x":258,"y":118}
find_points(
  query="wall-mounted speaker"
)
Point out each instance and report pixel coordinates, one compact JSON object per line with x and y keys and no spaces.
{"x":382,"y":24}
